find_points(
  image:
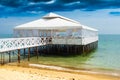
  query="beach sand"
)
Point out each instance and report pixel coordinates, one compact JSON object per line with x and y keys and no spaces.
{"x":8,"y":72}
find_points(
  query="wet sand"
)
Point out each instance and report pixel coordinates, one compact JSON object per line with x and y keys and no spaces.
{"x":8,"y":72}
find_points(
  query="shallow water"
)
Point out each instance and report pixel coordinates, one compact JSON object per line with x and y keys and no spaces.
{"x":107,"y":54}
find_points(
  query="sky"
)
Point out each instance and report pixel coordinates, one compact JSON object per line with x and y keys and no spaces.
{"x":103,"y":15}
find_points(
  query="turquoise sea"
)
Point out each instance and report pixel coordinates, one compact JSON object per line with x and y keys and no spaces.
{"x":106,"y":56}
{"x":108,"y":53}
{"x":6,"y":35}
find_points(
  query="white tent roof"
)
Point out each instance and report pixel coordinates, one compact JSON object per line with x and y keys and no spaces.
{"x":53,"y":21}
{"x":53,"y":15}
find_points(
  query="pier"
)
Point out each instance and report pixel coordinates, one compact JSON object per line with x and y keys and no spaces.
{"x":57,"y":33}
{"x":11,"y":44}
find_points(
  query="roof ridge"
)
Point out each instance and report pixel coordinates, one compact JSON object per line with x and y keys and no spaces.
{"x":53,"y":15}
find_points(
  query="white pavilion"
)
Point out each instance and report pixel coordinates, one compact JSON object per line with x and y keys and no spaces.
{"x":60,"y":30}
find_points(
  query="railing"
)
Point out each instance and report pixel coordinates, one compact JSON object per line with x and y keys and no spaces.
{"x":10,"y":44}
{"x":19,"y":43}
{"x":67,"y":40}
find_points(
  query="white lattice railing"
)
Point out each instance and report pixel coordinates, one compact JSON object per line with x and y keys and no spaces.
{"x":19,"y":43}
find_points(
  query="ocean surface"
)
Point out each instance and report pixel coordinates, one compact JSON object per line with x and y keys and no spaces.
{"x":108,"y":53}
{"x":106,"y":56}
{"x":6,"y":35}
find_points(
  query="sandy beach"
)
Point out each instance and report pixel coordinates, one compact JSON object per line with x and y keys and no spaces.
{"x":9,"y":72}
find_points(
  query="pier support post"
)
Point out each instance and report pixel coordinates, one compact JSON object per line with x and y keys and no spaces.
{"x":75,"y":51}
{"x":58,"y":46}
{"x":28,"y":54}
{"x":13,"y":53}
{"x":9,"y":57}
{"x":24,"y":53}
{"x":3,"y":58}
{"x":67,"y":49}
{"x":83,"y":49}
{"x":37,"y":52}
{"x":48,"y":48}
{"x":18,"y":55}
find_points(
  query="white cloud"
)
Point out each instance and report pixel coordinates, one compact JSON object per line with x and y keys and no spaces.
{"x":73,"y":3}
{"x":31,"y":3}
{"x":50,"y":2}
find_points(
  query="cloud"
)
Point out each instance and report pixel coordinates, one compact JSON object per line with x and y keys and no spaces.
{"x":12,"y":7}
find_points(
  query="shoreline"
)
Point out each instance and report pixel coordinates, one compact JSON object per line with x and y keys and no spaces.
{"x":64,"y":69}
{"x":99,"y":71}
{"x":51,"y":74}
